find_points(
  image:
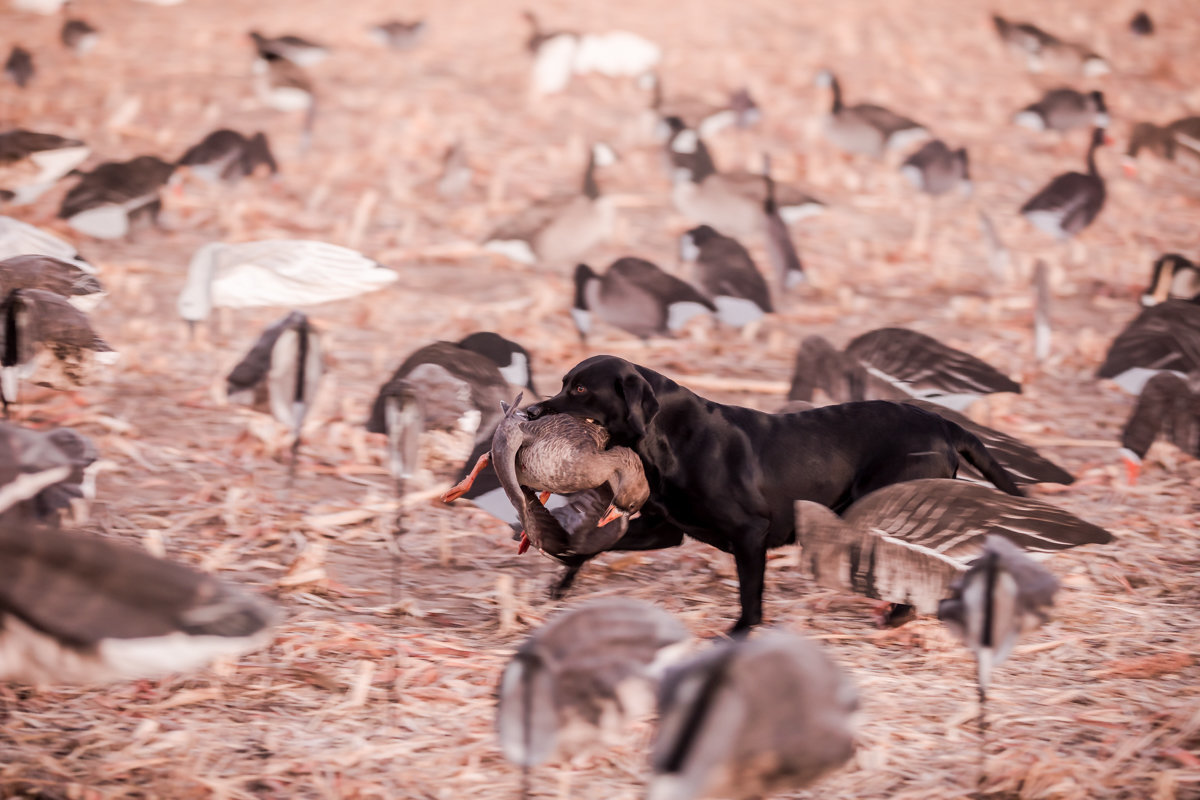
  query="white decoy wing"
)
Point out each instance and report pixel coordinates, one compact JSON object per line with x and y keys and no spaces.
{"x":20,"y":238}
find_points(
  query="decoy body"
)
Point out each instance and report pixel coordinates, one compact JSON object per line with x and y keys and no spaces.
{"x":107,"y":200}
{"x":751,"y":717}
{"x":116,"y":612}
{"x":727,"y":275}
{"x":25,"y":452}
{"x":907,"y":543}
{"x":1039,"y":47}
{"x":79,"y":35}
{"x":1168,"y":408}
{"x":1164,"y":337}
{"x":276,"y":272}
{"x":936,"y":169}
{"x":33,"y":321}
{"x":74,"y":280}
{"x":399,"y":34}
{"x":560,"y":229}
{"x":894,"y":364}
{"x":637,"y":297}
{"x":1064,"y":110}
{"x":1070,"y":202}
{"x":19,"y":66}
{"x":781,"y":250}
{"x":298,"y":50}
{"x":19,"y":238}
{"x":226,"y":155}
{"x":1166,"y":141}
{"x":1172,"y":277}
{"x":30,"y":163}
{"x":866,"y":129}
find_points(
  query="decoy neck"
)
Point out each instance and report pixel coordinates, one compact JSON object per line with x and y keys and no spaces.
{"x":831,"y":80}
{"x":302,"y":343}
{"x":12,"y":330}
{"x":591,"y":189}
{"x":1098,"y":138}
{"x":769,"y":204}
{"x":1098,"y":100}
{"x":961,"y":155}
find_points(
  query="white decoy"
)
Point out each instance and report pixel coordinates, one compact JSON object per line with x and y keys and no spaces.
{"x":74,"y":280}
{"x":31,"y":163}
{"x":275,"y":272}
{"x":19,"y":238}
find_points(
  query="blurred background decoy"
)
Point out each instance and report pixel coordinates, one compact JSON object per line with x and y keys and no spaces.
{"x":399,"y":34}
{"x":79,"y":35}
{"x":1063,"y":110}
{"x":64,"y":451}
{"x":866,"y":129}
{"x":108,"y":201}
{"x":1071,"y":201}
{"x":636,"y":296}
{"x":1168,"y":408}
{"x":31,"y":163}
{"x":1162,"y":337}
{"x":1173,"y":277}
{"x":74,"y":280}
{"x":296,"y":49}
{"x":727,"y":275}
{"x":1041,"y":49}
{"x":19,"y":66}
{"x":227,"y":155}
{"x":20,"y":238}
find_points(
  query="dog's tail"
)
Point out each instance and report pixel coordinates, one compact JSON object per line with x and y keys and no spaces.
{"x":975,"y":453}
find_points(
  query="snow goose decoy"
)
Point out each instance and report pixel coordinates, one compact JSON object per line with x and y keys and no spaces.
{"x":905,"y":544}
{"x":1173,"y":277}
{"x":74,"y":280}
{"x":1165,"y":141}
{"x":109,"y":199}
{"x":1064,"y":110}
{"x":705,"y":118}
{"x":275,"y":272}
{"x":1168,"y":407}
{"x":398,"y":34}
{"x":19,"y":238}
{"x":553,"y":55}
{"x":296,"y":49}
{"x":19,"y":66}
{"x":1070,"y":202}
{"x":1037,"y":46}
{"x":30,"y":162}
{"x":119,"y":614}
{"x":1163,"y":337}
{"x":33,"y":321}
{"x":579,"y":678}
{"x":936,"y":169}
{"x":79,"y":35}
{"x":560,"y":229}
{"x":636,"y":296}
{"x":866,"y":129}
{"x":727,"y":275}
{"x":226,"y":155}
{"x":751,"y":717}
{"x":34,"y":452}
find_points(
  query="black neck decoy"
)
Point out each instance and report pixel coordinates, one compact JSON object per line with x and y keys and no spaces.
{"x":866,"y":128}
{"x":636,"y":296}
{"x":1064,"y":110}
{"x":727,"y":275}
{"x":1163,"y":337}
{"x":1070,"y":202}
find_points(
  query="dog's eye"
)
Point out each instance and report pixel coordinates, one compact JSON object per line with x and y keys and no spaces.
{"x":580,"y":389}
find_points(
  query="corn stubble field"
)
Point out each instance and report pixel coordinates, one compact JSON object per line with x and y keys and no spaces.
{"x":381,"y":689}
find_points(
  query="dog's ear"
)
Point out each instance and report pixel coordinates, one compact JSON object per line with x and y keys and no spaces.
{"x":640,"y":403}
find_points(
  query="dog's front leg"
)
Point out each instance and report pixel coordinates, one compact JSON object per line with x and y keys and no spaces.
{"x":750,"y":556}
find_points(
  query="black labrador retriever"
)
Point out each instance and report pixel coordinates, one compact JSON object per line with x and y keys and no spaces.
{"x":729,"y":476}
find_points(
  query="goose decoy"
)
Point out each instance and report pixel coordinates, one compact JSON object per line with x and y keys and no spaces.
{"x":727,"y":275}
{"x":1163,"y":337}
{"x":226,"y":155}
{"x":1070,"y":202}
{"x":560,"y":229}
{"x":296,"y":49}
{"x":553,"y":55}
{"x":79,"y":35}
{"x":1173,"y":277}
{"x":74,"y":280}
{"x":283,"y":85}
{"x":1179,"y":137}
{"x":275,"y":272}
{"x":637,"y":297}
{"x":35,"y":452}
{"x":905,"y":544}
{"x":706,"y":119}
{"x":118,"y":614}
{"x":30,"y":162}
{"x":865,"y":128}
{"x":282,"y":372}
{"x":399,"y":34}
{"x":750,"y":717}
{"x":781,"y":251}
{"x":1168,"y":408}
{"x":20,"y":238}
{"x":895,"y":364}
{"x":936,"y":169}
{"x":581,"y":677}
{"x":33,"y":321}
{"x":109,"y":199}
{"x":1140,"y":24}
{"x":19,"y":66}
{"x":510,"y":357}
{"x":1064,"y":110}
{"x":1037,"y":46}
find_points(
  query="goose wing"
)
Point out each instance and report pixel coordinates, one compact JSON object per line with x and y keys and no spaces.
{"x":923,"y":365}
{"x":883,"y":120}
{"x":116,"y":183}
{"x":21,"y":238}
{"x":292,"y":272}
{"x":1161,"y":337}
{"x":56,"y":323}
{"x":253,"y":368}
{"x":654,"y":281}
{"x":66,"y":278}
{"x":215,"y":147}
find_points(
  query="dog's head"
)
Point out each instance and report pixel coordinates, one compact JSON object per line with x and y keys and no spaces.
{"x":609,"y":391}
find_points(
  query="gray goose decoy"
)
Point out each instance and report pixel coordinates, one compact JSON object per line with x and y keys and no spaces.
{"x":560,"y":229}
{"x":1168,"y":407}
{"x":581,"y":677}
{"x":30,"y":162}
{"x":110,"y":198}
{"x":117,"y":613}
{"x":19,"y":66}
{"x":727,"y":275}
{"x":67,"y":278}
{"x":226,"y":155}
{"x":399,"y":34}
{"x":79,"y":35}
{"x":296,"y":49}
{"x":750,"y":717}
{"x":1064,"y":110}
{"x":906,"y":544}
{"x":1140,"y":24}
{"x":1165,"y":141}
{"x":1172,"y":277}
{"x":865,"y":128}
{"x":936,"y":169}
{"x":1036,"y":45}
{"x":705,"y":118}
{"x":785,"y":259}
{"x":1070,"y":202}
{"x":33,"y":321}
{"x":32,"y":453}
{"x":637,"y":297}
{"x":1164,"y":337}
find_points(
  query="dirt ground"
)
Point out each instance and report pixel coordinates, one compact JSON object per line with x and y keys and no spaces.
{"x":373,"y":691}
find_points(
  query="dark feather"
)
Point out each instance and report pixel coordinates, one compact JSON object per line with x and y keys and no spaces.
{"x":925,"y":364}
{"x":117,"y":182}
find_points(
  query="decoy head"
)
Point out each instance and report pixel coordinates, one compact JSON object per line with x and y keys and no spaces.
{"x":1102,"y":118}
{"x":692,"y":241}
{"x":580,"y":313}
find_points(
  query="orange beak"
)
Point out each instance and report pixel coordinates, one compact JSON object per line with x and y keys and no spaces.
{"x":524,"y":545}
{"x":609,"y":516}
{"x":1133,"y":469}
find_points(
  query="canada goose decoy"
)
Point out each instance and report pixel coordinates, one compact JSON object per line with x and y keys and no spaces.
{"x":637,"y":297}
{"x":906,"y":543}
{"x":283,"y":85}
{"x":74,"y":280}
{"x":1140,"y":24}
{"x":35,"y":452}
{"x":30,"y":163}
{"x":226,"y":155}
{"x":1037,"y":47}
{"x":781,"y":251}
{"x":936,"y":169}
{"x":282,"y":371}
{"x":1064,"y":110}
{"x":560,"y":229}
{"x":1168,"y":408}
{"x":398,"y":34}
{"x":296,"y":49}
{"x":19,"y":66}
{"x":119,"y":613}
{"x":1163,"y":337}
{"x":865,"y":128}
{"x":1165,"y":141}
{"x":109,"y":199}
{"x":727,"y":275}
{"x":275,"y":272}
{"x":581,"y":677}
{"x":510,"y":357}
{"x":33,"y":321}
{"x":19,"y":238}
{"x":750,"y":717}
{"x":896,"y":363}
{"x":1070,"y":202}
{"x":706,"y":119}
{"x":1173,"y":277}
{"x":79,"y":35}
